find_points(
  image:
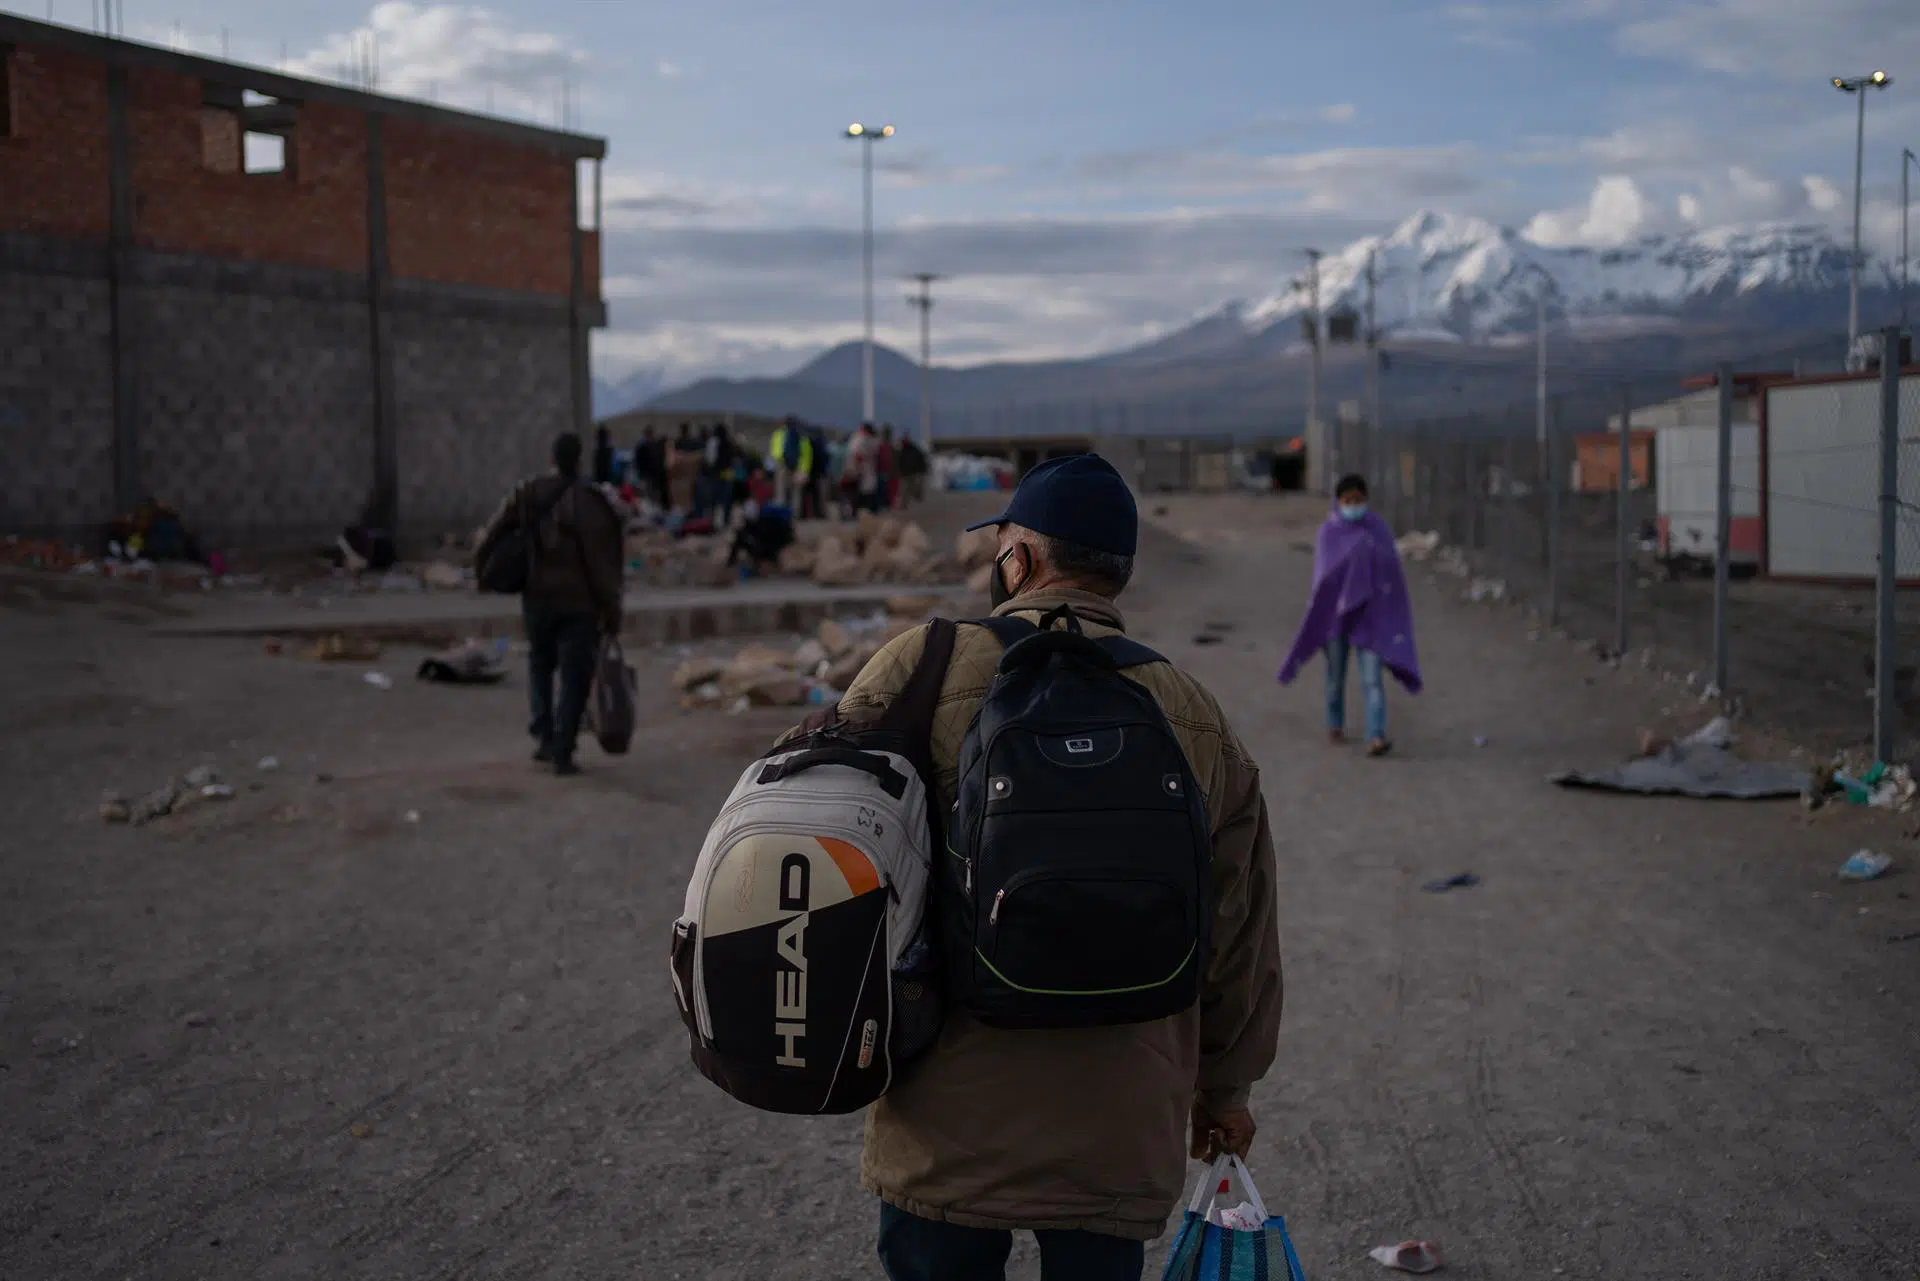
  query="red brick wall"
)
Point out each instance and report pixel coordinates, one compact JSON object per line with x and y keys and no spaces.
{"x":464,"y":209}
{"x":53,"y":171}
{"x":313,"y":216}
{"x":461,"y":208}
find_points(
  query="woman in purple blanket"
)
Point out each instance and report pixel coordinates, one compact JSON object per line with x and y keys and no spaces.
{"x":1359,"y":603}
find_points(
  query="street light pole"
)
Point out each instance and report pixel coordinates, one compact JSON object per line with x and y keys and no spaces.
{"x":1317,"y":451}
{"x":866,"y":137}
{"x":1907,"y":159}
{"x":1858,"y":86}
{"x":924,"y":301}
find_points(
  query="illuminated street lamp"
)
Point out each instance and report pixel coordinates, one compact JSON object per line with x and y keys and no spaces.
{"x":1858,"y":86}
{"x":867,"y":135}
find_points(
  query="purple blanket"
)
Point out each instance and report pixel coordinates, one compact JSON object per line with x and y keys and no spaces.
{"x":1359,"y":592}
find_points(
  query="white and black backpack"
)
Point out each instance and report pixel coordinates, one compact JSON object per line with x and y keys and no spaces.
{"x":801,"y":964}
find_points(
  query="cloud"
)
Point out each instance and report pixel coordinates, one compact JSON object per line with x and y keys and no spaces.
{"x":669,"y":70}
{"x":1354,"y":179}
{"x":1615,"y":214}
{"x":1788,"y":39}
{"x":692,"y":298}
{"x":1486,"y":26}
{"x":453,"y":53}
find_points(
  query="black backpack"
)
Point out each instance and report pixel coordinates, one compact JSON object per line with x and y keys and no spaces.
{"x":1077,"y":890}
{"x":508,"y":563}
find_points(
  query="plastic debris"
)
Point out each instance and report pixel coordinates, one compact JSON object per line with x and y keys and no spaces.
{"x":1717,"y":732}
{"x":379,"y":680}
{"x":114,"y":808}
{"x":155,"y":804}
{"x":1479,"y":740}
{"x":1464,"y":881}
{"x":1409,"y":1256}
{"x":268,"y":764}
{"x":1864,"y":865}
{"x":413,"y":816}
{"x":202,"y":776}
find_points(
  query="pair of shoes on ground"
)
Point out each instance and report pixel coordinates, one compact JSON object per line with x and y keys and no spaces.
{"x":543,"y":755}
{"x":1378,"y":747}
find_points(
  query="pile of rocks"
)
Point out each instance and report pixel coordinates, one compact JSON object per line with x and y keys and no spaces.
{"x":816,"y":671}
{"x":875,"y":549}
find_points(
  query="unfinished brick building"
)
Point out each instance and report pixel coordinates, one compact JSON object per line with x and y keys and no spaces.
{"x":279,"y":305}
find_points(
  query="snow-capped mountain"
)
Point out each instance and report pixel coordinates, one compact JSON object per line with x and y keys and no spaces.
{"x":1442,"y":276}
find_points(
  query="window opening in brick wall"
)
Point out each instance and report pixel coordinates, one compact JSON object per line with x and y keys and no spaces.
{"x":266,"y":153}
{"x":244,"y":132}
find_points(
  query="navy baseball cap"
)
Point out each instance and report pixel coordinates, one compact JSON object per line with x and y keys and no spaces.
{"x":1079,"y":499}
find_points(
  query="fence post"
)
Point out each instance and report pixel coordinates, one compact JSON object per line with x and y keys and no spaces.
{"x":1723,"y":530}
{"x":1509,"y":518}
{"x":1884,"y":657}
{"x":1623,"y":534}
{"x":1551,"y":478}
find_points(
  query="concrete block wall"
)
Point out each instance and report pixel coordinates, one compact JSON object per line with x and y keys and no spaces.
{"x":56,"y":398}
{"x":481,"y":394}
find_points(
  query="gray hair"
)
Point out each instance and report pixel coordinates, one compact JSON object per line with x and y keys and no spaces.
{"x":1103,"y":572}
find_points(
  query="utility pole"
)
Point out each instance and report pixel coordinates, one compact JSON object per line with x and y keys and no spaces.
{"x":924,"y":301}
{"x":1316,"y":436}
{"x":1857,"y":86}
{"x":1907,"y":160}
{"x":1376,"y":444}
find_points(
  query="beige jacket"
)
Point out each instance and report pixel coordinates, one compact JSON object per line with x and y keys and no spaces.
{"x":1083,"y":1129}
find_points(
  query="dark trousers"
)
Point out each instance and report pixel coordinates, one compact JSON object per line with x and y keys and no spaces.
{"x":917,"y":1249}
{"x":566,"y":641}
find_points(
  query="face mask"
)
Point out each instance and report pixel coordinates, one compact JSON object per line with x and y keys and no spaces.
{"x":1352,"y":513}
{"x":997,"y":591}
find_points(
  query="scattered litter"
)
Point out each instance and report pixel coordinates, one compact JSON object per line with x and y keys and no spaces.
{"x":1464,"y":881}
{"x":1487,"y":589}
{"x":1419,"y":546}
{"x":1908,"y":937}
{"x":379,"y":680}
{"x":114,"y":808}
{"x":360,"y":1130}
{"x":155,"y":804}
{"x":1409,"y":1256}
{"x":1864,"y":865}
{"x":472,"y":662}
{"x":1208,"y":638}
{"x":1676,"y":769}
{"x":343,"y":649}
{"x":413,"y":816}
{"x":199,"y":1018}
{"x":268,"y":764}
{"x":1717,"y":732}
{"x":1479,"y":740}
{"x":202,"y":776}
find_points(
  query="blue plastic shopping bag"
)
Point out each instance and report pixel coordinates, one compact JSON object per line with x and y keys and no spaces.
{"x":1219,"y":1241}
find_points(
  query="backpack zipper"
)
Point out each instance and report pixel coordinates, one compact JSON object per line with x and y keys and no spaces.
{"x":993,"y":916}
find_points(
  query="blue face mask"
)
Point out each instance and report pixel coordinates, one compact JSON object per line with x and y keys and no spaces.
{"x":1352,"y":513}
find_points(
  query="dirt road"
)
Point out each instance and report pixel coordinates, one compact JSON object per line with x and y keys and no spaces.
{"x":413,"y":1021}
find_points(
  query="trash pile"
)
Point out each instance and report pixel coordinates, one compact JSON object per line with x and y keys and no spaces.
{"x":175,"y":796}
{"x":1426,"y":549}
{"x":1882,"y":786}
{"x":815,"y":672}
{"x":969,"y":472}
{"x":875,"y":549}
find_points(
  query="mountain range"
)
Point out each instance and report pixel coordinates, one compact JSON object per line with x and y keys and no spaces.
{"x":1456,"y":302}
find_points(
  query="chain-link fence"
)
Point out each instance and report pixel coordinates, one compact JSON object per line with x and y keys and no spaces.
{"x":1543,"y":519}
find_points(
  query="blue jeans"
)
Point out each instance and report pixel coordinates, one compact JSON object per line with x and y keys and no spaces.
{"x":917,"y":1249}
{"x":1370,"y":686}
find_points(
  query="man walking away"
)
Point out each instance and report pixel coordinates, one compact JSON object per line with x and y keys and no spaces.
{"x":572,"y":596}
{"x":718,"y":468}
{"x":1079,"y":1134}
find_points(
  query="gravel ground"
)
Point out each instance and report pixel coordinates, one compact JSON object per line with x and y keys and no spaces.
{"x":399,"y":1009}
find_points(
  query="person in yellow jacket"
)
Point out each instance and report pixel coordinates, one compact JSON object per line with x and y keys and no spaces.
{"x":791,"y":457}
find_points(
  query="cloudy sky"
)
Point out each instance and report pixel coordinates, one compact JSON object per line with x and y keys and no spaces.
{"x":1093,"y":172}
